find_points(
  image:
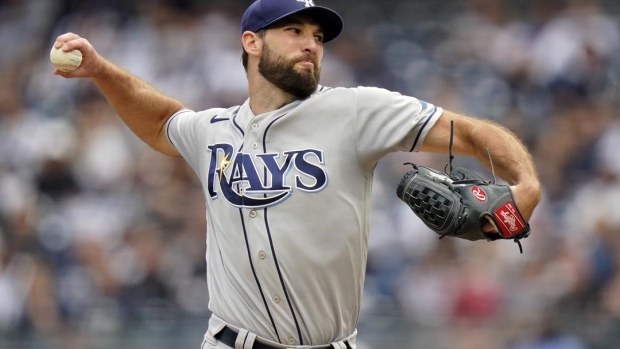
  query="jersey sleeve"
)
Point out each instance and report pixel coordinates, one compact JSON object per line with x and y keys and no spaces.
{"x":182,"y":131}
{"x":388,"y":121}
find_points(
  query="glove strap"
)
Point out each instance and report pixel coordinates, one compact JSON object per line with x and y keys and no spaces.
{"x":451,"y":156}
{"x":518,"y":242}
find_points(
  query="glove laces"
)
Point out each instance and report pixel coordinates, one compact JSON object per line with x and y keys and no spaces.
{"x":517,"y":240}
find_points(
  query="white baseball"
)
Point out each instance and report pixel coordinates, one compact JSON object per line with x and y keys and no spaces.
{"x":65,"y":61}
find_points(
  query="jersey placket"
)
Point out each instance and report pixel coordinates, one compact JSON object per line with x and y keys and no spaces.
{"x":263,"y":251}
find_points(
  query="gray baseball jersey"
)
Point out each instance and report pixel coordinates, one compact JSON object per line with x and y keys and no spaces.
{"x":288,"y":201}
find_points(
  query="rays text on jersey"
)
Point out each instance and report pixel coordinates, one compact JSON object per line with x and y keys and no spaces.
{"x":261,"y":180}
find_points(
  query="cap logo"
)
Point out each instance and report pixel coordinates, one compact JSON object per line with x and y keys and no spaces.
{"x":307,"y":3}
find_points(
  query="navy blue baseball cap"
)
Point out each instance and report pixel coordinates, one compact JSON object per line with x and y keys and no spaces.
{"x":263,"y":13}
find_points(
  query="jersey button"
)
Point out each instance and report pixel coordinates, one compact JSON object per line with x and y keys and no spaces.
{"x":276,"y":299}
{"x":291,"y":340}
{"x":252,"y":214}
{"x":254,"y":126}
{"x":262,"y":255}
{"x":254,"y":145}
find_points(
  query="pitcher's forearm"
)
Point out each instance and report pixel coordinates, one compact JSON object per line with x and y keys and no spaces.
{"x":142,"y":107}
{"x":512,"y":161}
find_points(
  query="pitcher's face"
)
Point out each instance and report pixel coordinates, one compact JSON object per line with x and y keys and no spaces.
{"x":291,"y":56}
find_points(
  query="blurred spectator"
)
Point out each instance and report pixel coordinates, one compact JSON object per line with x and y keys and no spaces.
{"x":549,"y":335}
{"x":582,"y":38}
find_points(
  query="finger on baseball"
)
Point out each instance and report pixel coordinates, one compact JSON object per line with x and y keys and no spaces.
{"x":67,"y":41}
{"x":61,"y":73}
{"x":66,"y":37}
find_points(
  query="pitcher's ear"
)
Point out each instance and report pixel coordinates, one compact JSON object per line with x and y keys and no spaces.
{"x":252,"y":43}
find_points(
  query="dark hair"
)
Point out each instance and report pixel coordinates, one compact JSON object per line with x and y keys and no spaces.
{"x":244,"y":55}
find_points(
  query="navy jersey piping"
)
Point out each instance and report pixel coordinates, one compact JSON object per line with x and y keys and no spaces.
{"x":417,"y":137}
{"x":234,"y":120}
{"x":273,"y":250}
{"x":247,"y":246}
{"x":260,"y":288}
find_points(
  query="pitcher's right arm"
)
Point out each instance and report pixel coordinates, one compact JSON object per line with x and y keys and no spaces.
{"x":140,"y":105}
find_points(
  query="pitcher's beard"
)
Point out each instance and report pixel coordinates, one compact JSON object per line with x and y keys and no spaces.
{"x":280,"y":72}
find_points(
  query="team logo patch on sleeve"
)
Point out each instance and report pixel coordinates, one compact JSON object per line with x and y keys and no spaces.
{"x":426,"y":109}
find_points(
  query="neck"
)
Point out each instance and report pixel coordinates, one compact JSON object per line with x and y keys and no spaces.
{"x":265,"y":96}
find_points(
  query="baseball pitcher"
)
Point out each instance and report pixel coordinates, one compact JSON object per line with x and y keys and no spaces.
{"x":287,"y":175}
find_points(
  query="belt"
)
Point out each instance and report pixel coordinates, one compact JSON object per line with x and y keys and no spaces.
{"x":229,"y":337}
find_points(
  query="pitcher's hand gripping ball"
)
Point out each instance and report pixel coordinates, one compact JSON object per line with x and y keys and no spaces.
{"x":65,"y":61}
{"x":460,"y":203}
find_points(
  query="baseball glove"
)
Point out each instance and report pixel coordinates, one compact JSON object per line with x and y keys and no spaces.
{"x":459,"y":202}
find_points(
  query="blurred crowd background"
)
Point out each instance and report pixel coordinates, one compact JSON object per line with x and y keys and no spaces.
{"x":102,"y":238}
